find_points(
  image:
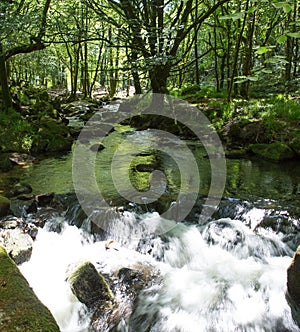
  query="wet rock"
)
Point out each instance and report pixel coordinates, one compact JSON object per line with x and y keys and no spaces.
{"x":136,"y":278}
{"x":20,"y":189}
{"x":244,"y":131}
{"x":236,"y":153}
{"x":21,"y":158}
{"x":89,"y":286}
{"x":17,"y":244}
{"x":277,"y":151}
{"x":21,"y":310}
{"x":293,"y":277}
{"x":52,"y":136}
{"x":97,"y":147}
{"x":293,"y":286}
{"x":4,"y":206}
{"x":10,"y":223}
{"x":44,"y":199}
{"x":224,"y":233}
{"x":59,"y":144}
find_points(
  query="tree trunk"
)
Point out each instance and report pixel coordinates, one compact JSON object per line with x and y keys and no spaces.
{"x":158,"y":78}
{"x":248,"y":61}
{"x":6,"y":96}
{"x":135,"y":73}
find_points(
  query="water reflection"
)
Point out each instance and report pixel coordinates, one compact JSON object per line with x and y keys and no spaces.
{"x":246,"y":179}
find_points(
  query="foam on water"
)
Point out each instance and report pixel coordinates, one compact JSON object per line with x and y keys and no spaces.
{"x":206,"y":287}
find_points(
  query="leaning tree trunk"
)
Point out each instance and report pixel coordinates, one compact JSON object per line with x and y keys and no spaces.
{"x":6,"y":97}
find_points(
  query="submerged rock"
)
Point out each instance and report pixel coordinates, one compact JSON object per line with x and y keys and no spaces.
{"x":20,"y":309}
{"x":293,"y":286}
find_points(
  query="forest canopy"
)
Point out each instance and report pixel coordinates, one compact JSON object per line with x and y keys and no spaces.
{"x":161,"y":45}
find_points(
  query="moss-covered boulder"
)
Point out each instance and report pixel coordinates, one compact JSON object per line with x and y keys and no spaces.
{"x":52,"y":136}
{"x":20,"y":309}
{"x":59,"y":143}
{"x":88,"y":285}
{"x":4,"y":206}
{"x":277,"y":151}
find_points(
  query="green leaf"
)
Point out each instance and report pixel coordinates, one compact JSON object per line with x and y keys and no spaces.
{"x":276,"y":59}
{"x":252,"y":9}
{"x":262,"y":50}
{"x":283,"y":5}
{"x":242,"y":79}
{"x":267,"y":71}
{"x":294,"y":34}
{"x":282,"y":39}
{"x":235,"y":16}
{"x":252,"y":78}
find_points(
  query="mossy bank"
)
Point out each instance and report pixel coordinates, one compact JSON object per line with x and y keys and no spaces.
{"x":20,"y":309}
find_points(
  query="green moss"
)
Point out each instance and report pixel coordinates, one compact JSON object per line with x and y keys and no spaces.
{"x":295,"y":145}
{"x":20,"y":309}
{"x":275,"y":151}
{"x":4,"y":206}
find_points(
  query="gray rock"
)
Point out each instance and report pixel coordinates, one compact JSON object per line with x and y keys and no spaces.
{"x":17,"y":244}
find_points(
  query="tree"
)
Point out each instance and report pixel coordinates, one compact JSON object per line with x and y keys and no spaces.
{"x":23,"y":30}
{"x":155,"y":30}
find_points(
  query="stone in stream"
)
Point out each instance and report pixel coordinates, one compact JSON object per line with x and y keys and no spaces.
{"x":20,"y":189}
{"x":21,"y":158}
{"x":20,"y":309}
{"x":89,"y":286}
{"x":17,"y":244}
{"x":293,"y":286}
{"x":44,"y":199}
{"x":4,"y":206}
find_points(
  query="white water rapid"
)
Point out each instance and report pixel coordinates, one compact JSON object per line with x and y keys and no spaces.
{"x":207,"y":285}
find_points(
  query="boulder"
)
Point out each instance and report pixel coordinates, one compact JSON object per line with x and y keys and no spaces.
{"x":58,"y":143}
{"x":20,"y":309}
{"x":277,"y":151}
{"x":20,"y":189}
{"x":293,"y":278}
{"x":44,"y":199}
{"x":4,"y":206}
{"x":293,"y":286}
{"x":21,"y":158}
{"x":89,"y":286}
{"x":17,"y":244}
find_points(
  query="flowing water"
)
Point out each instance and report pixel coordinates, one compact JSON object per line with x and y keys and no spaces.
{"x":227,"y":274}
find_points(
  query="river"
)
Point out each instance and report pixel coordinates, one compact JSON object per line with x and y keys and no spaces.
{"x":225,"y":274}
